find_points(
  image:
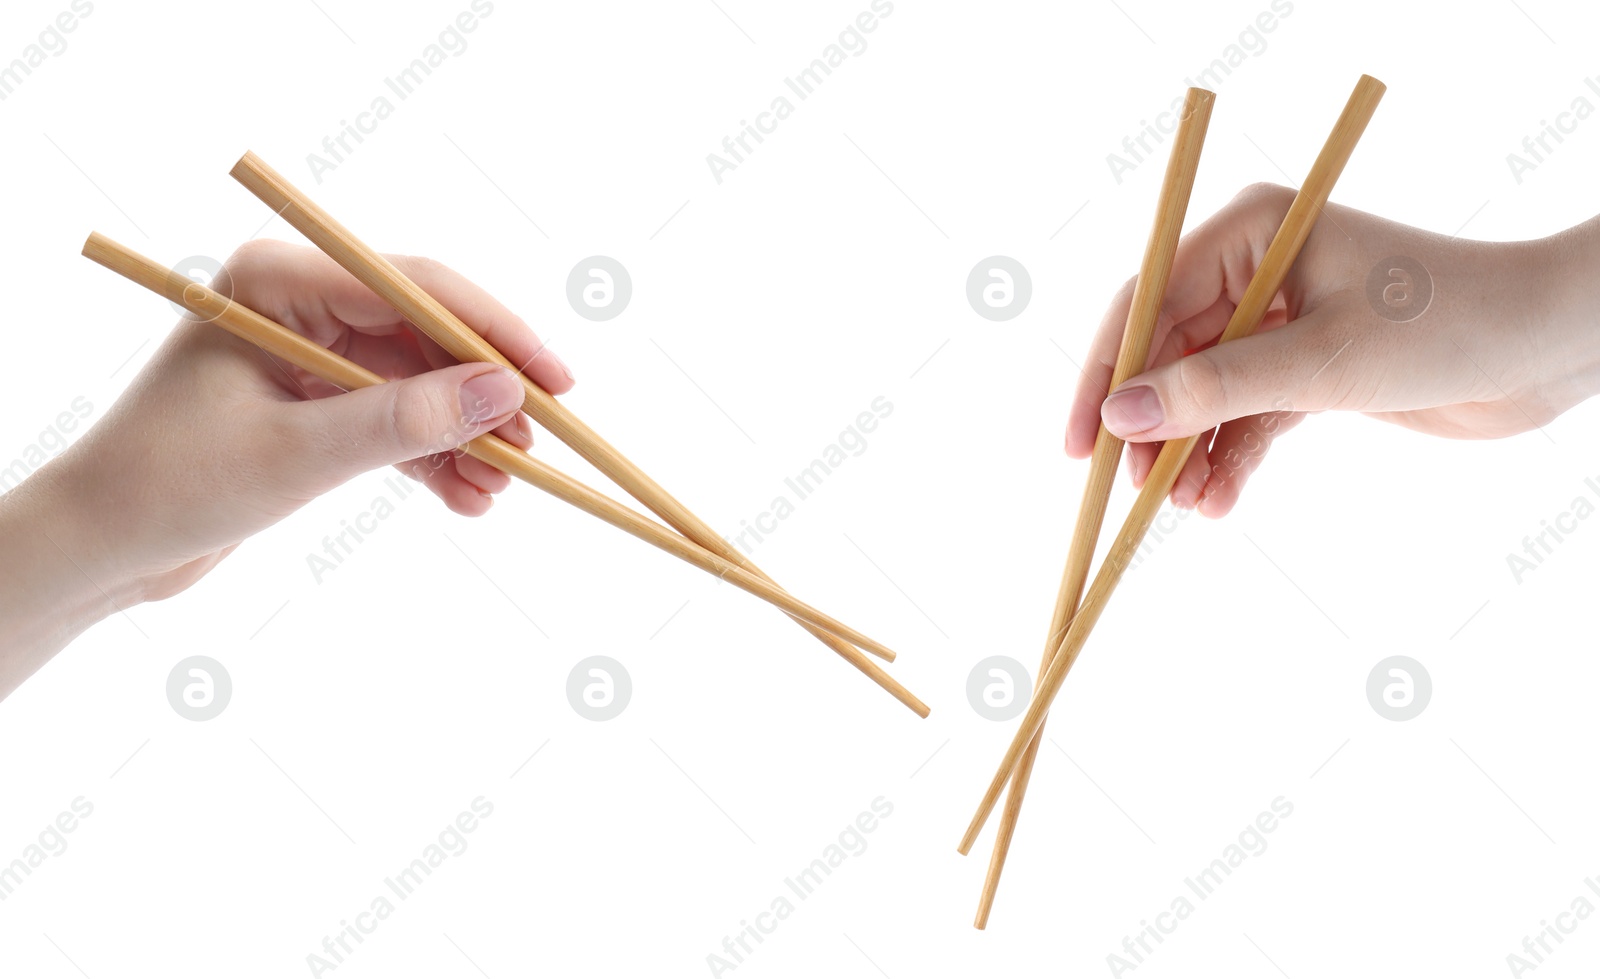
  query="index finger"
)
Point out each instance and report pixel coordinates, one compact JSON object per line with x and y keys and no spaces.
{"x":312,"y":294}
{"x":505,"y":330}
{"x":1214,"y":261}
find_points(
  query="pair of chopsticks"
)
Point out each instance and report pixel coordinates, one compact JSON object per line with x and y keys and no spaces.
{"x":1072,"y":621}
{"x":694,"y":541}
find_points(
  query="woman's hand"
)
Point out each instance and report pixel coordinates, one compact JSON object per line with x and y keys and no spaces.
{"x":215,"y":441}
{"x":1502,"y":345}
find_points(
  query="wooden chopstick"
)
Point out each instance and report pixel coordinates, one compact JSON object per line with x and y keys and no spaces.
{"x":1148,"y":293}
{"x":463,"y":343}
{"x":284,"y":343}
{"x":1247,"y":316}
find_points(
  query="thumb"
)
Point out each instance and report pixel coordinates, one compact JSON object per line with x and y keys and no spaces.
{"x":348,"y":434}
{"x":1297,"y":367}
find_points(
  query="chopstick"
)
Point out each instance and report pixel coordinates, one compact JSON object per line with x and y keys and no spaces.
{"x":463,"y":343}
{"x":284,"y":343}
{"x":1247,"y":316}
{"x":1148,"y":293}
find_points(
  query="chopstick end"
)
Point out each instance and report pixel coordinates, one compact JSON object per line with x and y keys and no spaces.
{"x":93,"y":244}
{"x":248,"y":163}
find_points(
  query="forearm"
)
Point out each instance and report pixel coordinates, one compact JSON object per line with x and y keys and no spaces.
{"x":52,"y":587}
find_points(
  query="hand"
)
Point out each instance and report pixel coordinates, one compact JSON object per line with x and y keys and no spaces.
{"x":215,"y":441}
{"x":1503,"y":346}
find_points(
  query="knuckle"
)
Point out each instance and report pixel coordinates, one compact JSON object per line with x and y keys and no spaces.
{"x":1262,"y":205}
{"x":1124,"y":292}
{"x":419,"y":265}
{"x":1264,"y":193}
{"x":1199,"y":385}
{"x":254,"y":252}
{"x":1114,"y":320}
{"x":249,"y":273}
{"x":418,"y":416}
{"x":256,"y":258}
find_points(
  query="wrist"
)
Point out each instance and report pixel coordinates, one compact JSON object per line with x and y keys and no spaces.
{"x":1565,"y":290}
{"x":54,"y":580}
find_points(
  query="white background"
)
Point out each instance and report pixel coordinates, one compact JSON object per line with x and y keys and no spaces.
{"x":370,"y":709}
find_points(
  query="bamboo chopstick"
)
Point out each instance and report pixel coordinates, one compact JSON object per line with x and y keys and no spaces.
{"x":1148,"y":293}
{"x":432,"y":318}
{"x":284,"y":343}
{"x":1247,"y":316}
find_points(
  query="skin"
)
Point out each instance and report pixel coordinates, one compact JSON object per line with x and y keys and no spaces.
{"x":1505,"y":346}
{"x":215,"y":441}
{"x":244,"y":440}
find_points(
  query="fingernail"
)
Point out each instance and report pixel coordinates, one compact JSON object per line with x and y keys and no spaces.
{"x":489,"y":396}
{"x":524,"y":428}
{"x":1132,"y":411}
